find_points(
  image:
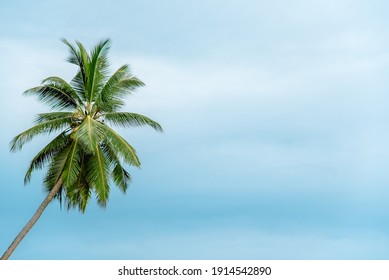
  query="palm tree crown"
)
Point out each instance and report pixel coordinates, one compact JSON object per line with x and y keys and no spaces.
{"x":87,"y":156}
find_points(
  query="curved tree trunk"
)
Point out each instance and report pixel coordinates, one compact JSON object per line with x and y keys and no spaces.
{"x":32,"y":221}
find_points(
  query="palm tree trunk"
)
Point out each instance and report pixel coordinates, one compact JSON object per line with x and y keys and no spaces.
{"x":32,"y":221}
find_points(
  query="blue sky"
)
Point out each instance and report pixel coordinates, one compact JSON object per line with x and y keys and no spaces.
{"x":276,"y":129}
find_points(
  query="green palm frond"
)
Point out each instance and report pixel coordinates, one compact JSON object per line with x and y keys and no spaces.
{"x":65,"y":86}
{"x":120,"y":146}
{"x":77,"y":84}
{"x":79,"y":57}
{"x":89,"y":133}
{"x":79,"y":193}
{"x":85,"y":58}
{"x":47,"y":153}
{"x":56,"y":93}
{"x":56,"y":167}
{"x":74,"y":55}
{"x":40,"y":128}
{"x":119,"y":175}
{"x":97,"y":172}
{"x":52,"y":116}
{"x":98,"y":65}
{"x":84,"y":68}
{"x":72,"y":167}
{"x":78,"y":196}
{"x":120,"y":84}
{"x":127,"y":120}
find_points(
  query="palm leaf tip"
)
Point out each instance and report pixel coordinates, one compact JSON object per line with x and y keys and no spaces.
{"x":14,"y":145}
{"x":125,"y":119}
{"x":121,"y":177}
{"x":43,"y":127}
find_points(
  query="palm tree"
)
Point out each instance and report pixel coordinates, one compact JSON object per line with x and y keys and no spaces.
{"x":87,"y":156}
